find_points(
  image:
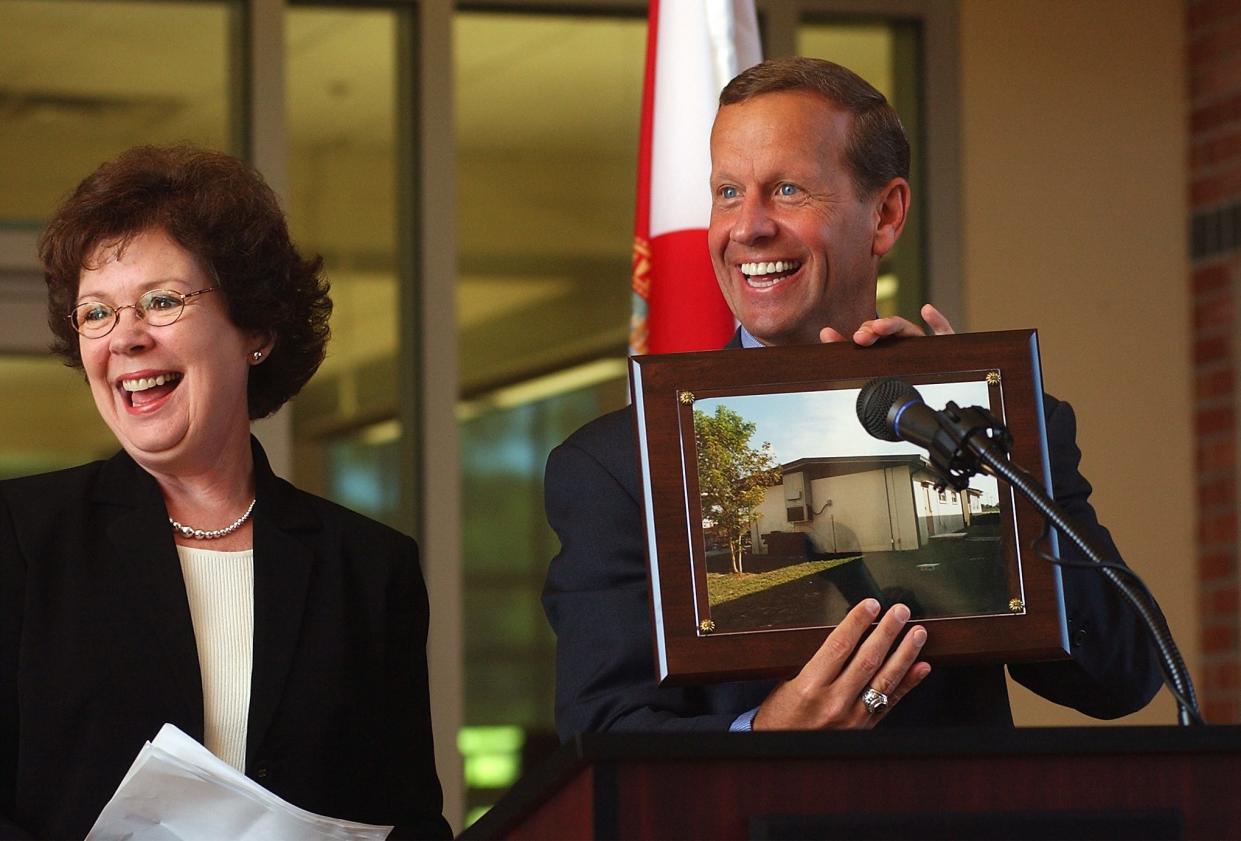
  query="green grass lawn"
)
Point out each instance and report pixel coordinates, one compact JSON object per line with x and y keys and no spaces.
{"x":725,"y":586}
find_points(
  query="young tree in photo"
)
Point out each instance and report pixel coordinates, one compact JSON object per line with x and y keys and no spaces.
{"x":732,"y":475}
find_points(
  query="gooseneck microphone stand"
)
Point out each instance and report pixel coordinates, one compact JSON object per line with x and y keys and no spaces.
{"x":997,"y":463}
{"x":972,"y":440}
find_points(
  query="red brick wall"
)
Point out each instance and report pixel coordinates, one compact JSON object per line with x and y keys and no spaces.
{"x":1214,"y":57}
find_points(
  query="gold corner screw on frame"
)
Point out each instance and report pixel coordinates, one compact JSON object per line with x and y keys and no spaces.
{"x":993,"y":378}
{"x":687,"y":397}
{"x":706,"y":626}
{"x":1016,"y":605}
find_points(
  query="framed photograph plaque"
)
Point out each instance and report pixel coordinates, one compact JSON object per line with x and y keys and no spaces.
{"x":770,"y":511}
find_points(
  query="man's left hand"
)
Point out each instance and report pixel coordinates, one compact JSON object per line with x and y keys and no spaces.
{"x":881,"y":328}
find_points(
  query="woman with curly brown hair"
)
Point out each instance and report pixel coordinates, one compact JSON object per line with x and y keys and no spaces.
{"x":181,"y":580}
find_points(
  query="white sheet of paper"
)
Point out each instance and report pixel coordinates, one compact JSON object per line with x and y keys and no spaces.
{"x":177,"y":790}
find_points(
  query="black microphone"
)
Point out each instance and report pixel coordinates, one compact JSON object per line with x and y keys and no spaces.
{"x":892,"y":410}
{"x":962,"y":442}
{"x":958,"y":440}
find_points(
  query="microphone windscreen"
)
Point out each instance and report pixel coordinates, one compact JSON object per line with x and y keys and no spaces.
{"x":876,"y":399}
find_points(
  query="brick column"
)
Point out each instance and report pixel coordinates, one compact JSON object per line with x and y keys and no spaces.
{"x":1214,"y":58}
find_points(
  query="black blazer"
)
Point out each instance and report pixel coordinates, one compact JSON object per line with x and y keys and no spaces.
{"x":97,"y":651}
{"x":596,"y":600}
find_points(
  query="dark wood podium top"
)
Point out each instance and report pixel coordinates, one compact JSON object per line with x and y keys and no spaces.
{"x":1085,"y":782}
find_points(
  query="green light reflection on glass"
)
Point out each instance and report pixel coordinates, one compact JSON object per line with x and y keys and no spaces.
{"x":492,"y":755}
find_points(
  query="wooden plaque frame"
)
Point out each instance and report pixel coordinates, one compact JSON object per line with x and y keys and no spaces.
{"x":689,"y":646}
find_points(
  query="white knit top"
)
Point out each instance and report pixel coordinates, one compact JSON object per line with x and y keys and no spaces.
{"x":220,"y":587}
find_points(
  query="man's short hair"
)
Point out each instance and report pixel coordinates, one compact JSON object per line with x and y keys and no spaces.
{"x":877,"y":150}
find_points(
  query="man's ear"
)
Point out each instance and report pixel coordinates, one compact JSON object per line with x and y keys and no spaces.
{"x":891,"y":210}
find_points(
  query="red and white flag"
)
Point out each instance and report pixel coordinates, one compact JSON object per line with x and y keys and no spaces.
{"x":693,"y":48}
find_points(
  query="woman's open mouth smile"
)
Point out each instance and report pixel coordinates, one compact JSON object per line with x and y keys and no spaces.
{"x":144,"y":392}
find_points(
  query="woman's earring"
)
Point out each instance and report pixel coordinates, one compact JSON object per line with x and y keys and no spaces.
{"x":257,"y":356}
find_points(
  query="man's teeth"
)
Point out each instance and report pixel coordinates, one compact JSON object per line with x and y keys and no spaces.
{"x":752,"y":269}
{"x":143,"y":383}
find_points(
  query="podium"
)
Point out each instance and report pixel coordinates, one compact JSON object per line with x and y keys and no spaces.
{"x":1037,"y":783}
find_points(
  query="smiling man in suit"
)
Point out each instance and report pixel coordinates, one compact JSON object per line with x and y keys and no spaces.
{"x":809,"y":182}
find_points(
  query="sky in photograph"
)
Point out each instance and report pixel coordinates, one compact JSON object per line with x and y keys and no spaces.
{"x":821,"y":424}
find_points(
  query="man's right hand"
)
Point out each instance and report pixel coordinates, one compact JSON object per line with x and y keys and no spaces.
{"x":826,"y":693}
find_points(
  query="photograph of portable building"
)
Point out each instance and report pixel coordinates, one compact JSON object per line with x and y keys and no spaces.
{"x":860,"y":504}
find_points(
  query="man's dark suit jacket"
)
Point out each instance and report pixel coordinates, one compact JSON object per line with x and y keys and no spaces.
{"x":596,"y":600}
{"x":97,"y":651}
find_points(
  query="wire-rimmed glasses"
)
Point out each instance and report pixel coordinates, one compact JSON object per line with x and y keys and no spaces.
{"x":158,"y":307}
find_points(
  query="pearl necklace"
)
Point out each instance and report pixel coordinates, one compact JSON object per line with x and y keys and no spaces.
{"x":199,"y":534}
